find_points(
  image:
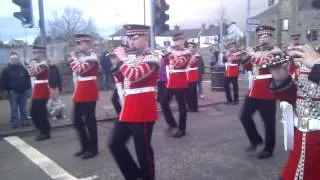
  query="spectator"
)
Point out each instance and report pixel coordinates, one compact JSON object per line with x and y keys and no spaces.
{"x":55,"y":106}
{"x":105,"y":65}
{"x":54,"y":77}
{"x":16,"y":80}
{"x":201,"y":67}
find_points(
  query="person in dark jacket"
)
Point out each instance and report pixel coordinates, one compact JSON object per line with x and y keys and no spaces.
{"x":201,"y":67}
{"x":105,"y":66}
{"x":16,"y":80}
{"x":54,"y":77}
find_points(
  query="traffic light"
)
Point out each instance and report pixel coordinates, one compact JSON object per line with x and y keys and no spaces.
{"x":161,"y":17}
{"x":316,"y":4}
{"x":315,"y":35}
{"x":312,"y":35}
{"x":309,"y":35}
{"x":25,"y":14}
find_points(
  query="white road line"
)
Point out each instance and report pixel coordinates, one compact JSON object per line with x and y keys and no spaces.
{"x":52,"y":169}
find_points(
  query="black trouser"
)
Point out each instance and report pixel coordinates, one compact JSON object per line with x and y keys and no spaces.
{"x":84,"y":118}
{"x":116,"y":101}
{"x":267,"y":110}
{"x":192,"y":96}
{"x":234,"y":82}
{"x":141,"y":133}
{"x":39,"y":114}
{"x":161,"y":89}
{"x":165,"y":104}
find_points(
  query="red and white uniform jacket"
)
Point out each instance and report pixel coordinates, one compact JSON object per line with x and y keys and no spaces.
{"x":86,"y":68}
{"x":232,"y":65}
{"x":303,"y":94}
{"x":176,"y":68}
{"x":41,"y":84}
{"x":139,"y":76}
{"x":261,"y":77}
{"x":193,"y":70}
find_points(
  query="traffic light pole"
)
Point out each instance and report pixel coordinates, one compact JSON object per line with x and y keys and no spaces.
{"x":152,"y":30}
{"x":41,"y":24}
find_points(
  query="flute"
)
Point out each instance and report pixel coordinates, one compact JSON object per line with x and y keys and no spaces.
{"x":279,"y":61}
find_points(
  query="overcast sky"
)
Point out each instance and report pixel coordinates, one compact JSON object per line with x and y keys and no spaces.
{"x":109,"y":15}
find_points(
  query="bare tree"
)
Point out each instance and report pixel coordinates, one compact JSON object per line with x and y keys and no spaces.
{"x":69,"y":23}
{"x":222,"y":15}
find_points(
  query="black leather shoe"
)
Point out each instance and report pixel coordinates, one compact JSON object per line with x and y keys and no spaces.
{"x":179,"y":134}
{"x":79,"y":153}
{"x":170,"y":130}
{"x":235,"y":103}
{"x":265,"y":154}
{"x":42,"y":137}
{"x":192,"y":110}
{"x":88,"y":155}
{"x":228,"y":102}
{"x":252,"y":147}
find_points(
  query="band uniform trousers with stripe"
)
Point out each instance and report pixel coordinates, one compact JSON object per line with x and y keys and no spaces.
{"x":180,"y":97}
{"x":39,"y":114}
{"x":86,"y":125}
{"x":192,"y":96}
{"x":235,"y":86}
{"x":141,"y":133}
{"x":267,"y":110}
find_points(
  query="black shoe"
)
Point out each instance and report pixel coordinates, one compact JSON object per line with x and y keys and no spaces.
{"x":179,"y":134}
{"x":170,"y":130}
{"x":14,"y":126}
{"x":265,"y":154}
{"x":79,"y":153}
{"x":88,"y":155}
{"x":235,"y":103}
{"x":192,"y":110}
{"x":252,"y":147}
{"x":228,"y":102}
{"x":26,"y":124}
{"x":42,"y":137}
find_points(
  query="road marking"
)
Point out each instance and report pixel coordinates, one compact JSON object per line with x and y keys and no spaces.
{"x":51,"y":168}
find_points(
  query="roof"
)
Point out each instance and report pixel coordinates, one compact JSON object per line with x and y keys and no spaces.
{"x":211,"y":31}
{"x":272,"y":10}
{"x":188,"y":33}
{"x":121,"y":32}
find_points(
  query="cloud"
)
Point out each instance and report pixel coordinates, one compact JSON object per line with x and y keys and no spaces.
{"x":110,"y":14}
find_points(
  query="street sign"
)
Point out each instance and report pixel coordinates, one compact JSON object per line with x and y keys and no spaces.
{"x":251,"y":28}
{"x":253,"y":21}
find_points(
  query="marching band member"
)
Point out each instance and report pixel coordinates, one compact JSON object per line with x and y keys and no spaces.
{"x":303,"y":93}
{"x":231,"y":73}
{"x":176,"y":62}
{"x":139,"y":74}
{"x":40,"y":94}
{"x":259,"y":97}
{"x":86,"y":68}
{"x":193,"y":78}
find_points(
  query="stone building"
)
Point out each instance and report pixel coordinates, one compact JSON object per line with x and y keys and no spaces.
{"x":290,"y":17}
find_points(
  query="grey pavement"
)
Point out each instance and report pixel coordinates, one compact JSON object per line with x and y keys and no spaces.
{"x":213,"y":149}
{"x":104,"y":109}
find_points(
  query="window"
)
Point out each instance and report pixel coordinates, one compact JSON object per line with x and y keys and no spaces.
{"x":166,"y":43}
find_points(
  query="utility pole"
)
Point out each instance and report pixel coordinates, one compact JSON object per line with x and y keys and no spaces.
{"x":25,"y":45}
{"x":41,"y":24}
{"x":247,"y":28}
{"x":221,"y":35}
{"x":152,"y":35}
{"x":144,"y":12}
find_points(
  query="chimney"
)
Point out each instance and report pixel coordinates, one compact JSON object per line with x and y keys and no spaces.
{"x":176,"y":28}
{"x":203,"y":26}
